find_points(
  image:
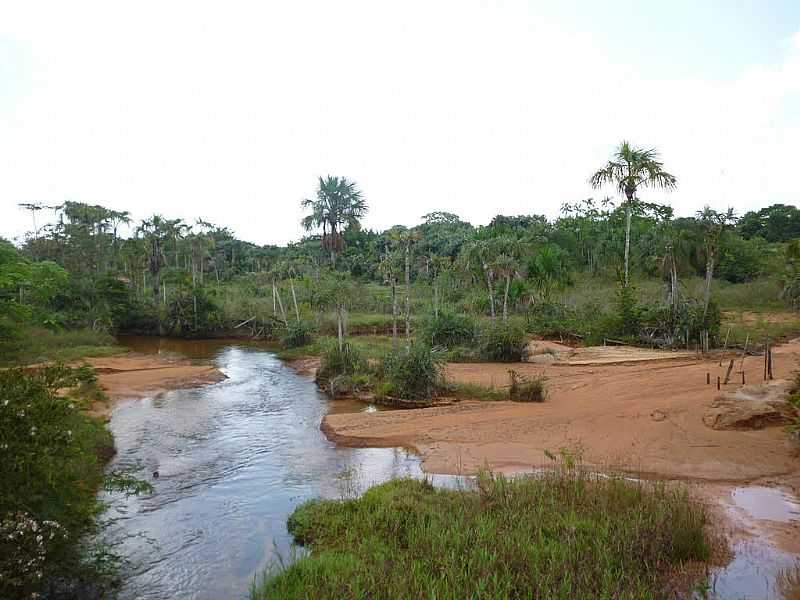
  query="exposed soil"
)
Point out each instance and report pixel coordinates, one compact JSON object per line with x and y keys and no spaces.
{"x":135,"y":375}
{"x":638,"y":415}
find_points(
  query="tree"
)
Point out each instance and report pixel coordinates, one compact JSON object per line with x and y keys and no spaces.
{"x":154,"y":231}
{"x":338,"y":205}
{"x":406,"y":238}
{"x":632,"y":168}
{"x":776,"y":223}
{"x":712,"y":224}
{"x":388,"y":268}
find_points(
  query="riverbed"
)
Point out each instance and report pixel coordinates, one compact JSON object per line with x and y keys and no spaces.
{"x":229,"y":462}
{"x":233,"y":460}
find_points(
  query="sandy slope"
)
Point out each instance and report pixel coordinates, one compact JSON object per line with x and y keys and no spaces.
{"x":137,"y":375}
{"x":640,"y":416}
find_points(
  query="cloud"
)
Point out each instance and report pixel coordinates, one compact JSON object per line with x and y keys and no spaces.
{"x":230,"y":112}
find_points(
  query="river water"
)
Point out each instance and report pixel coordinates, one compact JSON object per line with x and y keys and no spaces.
{"x":234,"y":459}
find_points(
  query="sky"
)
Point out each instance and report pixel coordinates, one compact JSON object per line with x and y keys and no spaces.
{"x":229,"y":111}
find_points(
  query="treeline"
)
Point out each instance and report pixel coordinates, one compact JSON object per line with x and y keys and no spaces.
{"x":78,"y":271}
{"x":96,"y":268}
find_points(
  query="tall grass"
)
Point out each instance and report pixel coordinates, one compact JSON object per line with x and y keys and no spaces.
{"x":565,"y":534}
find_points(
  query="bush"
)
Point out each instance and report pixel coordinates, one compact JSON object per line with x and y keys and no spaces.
{"x":415,"y":373}
{"x":523,"y":389}
{"x":337,"y":362}
{"x":296,"y":334}
{"x":192,"y":312}
{"x":50,"y":474}
{"x":502,"y":342}
{"x":448,"y":329}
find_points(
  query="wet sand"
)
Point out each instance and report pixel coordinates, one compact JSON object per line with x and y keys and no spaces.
{"x":643,"y":417}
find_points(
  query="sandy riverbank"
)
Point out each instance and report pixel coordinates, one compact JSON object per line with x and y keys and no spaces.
{"x":134,"y":375}
{"x":645,"y":417}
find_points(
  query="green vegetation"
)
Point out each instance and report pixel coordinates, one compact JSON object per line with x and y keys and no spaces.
{"x":524,"y":389}
{"x":631,"y":271}
{"x":503,"y":342}
{"x":414,"y":373}
{"x":50,"y":472}
{"x":563,"y":534}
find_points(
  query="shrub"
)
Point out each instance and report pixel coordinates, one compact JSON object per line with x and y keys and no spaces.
{"x":192,"y":312}
{"x":50,"y":473}
{"x":502,"y":342}
{"x":523,"y":389}
{"x":414,"y":373}
{"x":448,"y":329}
{"x":337,"y":362}
{"x":296,"y":334}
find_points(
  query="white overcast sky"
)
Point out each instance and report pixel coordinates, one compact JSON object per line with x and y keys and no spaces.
{"x":230,"y":110}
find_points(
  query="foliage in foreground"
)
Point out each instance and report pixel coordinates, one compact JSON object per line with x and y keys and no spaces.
{"x":49,"y":473}
{"x":564,"y":534}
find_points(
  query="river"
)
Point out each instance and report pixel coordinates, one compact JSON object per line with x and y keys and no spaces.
{"x":234,"y":459}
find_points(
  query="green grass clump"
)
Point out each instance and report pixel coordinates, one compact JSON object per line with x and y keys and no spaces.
{"x":564,"y":534}
{"x":502,"y":342}
{"x":448,"y":329}
{"x":527,"y":389}
{"x":415,"y":372}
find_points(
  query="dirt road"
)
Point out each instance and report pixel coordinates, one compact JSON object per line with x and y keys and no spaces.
{"x":644,"y":417}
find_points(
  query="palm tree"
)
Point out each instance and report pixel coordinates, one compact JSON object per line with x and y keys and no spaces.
{"x":154,"y":231}
{"x":479,"y":251}
{"x":632,"y":168}
{"x":712,"y":225}
{"x":338,"y":205}
{"x":406,"y":238}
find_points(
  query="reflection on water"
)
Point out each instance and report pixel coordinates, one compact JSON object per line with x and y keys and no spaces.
{"x":234,"y":459}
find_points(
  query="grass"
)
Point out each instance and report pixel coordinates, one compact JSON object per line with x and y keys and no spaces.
{"x":371,"y":347}
{"x":564,"y":534}
{"x":475,"y":391}
{"x":43,"y":345}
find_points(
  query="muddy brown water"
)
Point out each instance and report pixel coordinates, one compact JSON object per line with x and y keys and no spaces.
{"x":234,"y":459}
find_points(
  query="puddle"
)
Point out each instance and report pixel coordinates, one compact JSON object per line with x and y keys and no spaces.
{"x":765,"y":503}
{"x":757,"y":572}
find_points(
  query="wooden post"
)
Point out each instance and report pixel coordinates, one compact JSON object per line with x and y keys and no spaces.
{"x":742,"y":377}
{"x":724,"y":347}
{"x":766,"y":357}
{"x":744,"y":353}
{"x":708,"y":378}
{"x":728,"y":373}
{"x":717,"y":381}
{"x":769,"y":363}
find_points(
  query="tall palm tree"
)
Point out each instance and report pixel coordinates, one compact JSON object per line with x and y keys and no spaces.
{"x":338,"y":205}
{"x":154,"y":231}
{"x":712,"y":225}
{"x":406,"y":238}
{"x":629,"y":169}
